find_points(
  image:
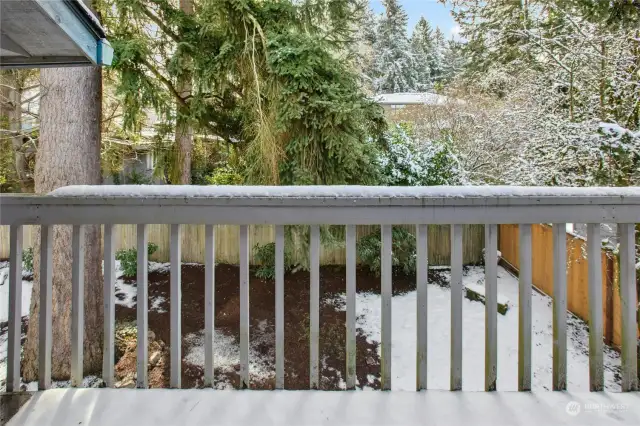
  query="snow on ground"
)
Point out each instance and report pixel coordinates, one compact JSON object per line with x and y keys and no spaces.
{"x":4,"y":292}
{"x":226,"y":353}
{"x":125,"y":296}
{"x":403,"y":336}
{"x":403,"y":364}
{"x":126,"y":292}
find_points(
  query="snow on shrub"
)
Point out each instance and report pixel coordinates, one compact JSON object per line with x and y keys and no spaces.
{"x":408,"y":162}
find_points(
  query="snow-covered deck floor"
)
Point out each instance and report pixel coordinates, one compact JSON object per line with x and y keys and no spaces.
{"x":122,"y":407}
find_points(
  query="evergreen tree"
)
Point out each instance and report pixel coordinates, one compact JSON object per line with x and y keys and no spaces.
{"x":423,"y":51}
{"x":274,"y":79}
{"x":453,"y":60}
{"x":394,"y":66}
{"x":437,"y":64}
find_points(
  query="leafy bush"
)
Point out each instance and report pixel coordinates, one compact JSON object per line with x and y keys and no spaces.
{"x":129,"y":259}
{"x":225,"y":176}
{"x":27,"y":260}
{"x":408,"y":162}
{"x":137,"y":178}
{"x":265,"y":255}
{"x":403,"y":251}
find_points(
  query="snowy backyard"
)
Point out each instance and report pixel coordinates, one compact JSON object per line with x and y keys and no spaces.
{"x":368,"y":309}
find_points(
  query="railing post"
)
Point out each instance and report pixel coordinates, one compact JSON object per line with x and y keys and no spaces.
{"x":176,"y":304}
{"x":559,"y":306}
{"x":15,"y":308}
{"x":594,"y":259}
{"x":350,"y":242}
{"x":456,"y":308}
{"x":491,"y":308}
{"x":108,"y":354}
{"x":209,"y":302}
{"x":387,"y":274}
{"x":314,"y":308}
{"x":142,"y":302}
{"x":279,"y":307}
{"x":524,"y":310}
{"x":77,"y":306}
{"x":44,"y":331}
{"x":629,"y":303}
{"x":422,"y":271}
{"x":244,"y":307}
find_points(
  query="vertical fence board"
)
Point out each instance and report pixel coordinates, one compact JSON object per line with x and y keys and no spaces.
{"x":596,"y":371}
{"x":209,"y":303}
{"x":176,"y":304}
{"x":524,"y":311}
{"x":44,"y":330}
{"x":422,"y":269}
{"x":559,"y":307}
{"x":77,"y":305}
{"x":491,"y":308}
{"x":280,"y":307}
{"x":456,"y":308}
{"x":628,"y":307}
{"x":142,"y":305}
{"x":351,"y":306}
{"x":314,"y":307}
{"x":108,"y":351}
{"x":386,"y":290}
{"x":15,"y":309}
{"x":244,"y":307}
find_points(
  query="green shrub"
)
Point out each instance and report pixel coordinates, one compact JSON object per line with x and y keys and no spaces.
{"x":225,"y":176}
{"x":410,"y":162}
{"x":137,"y":178}
{"x":27,"y":260}
{"x":129,"y":259}
{"x":403,"y":251}
{"x":265,"y":255}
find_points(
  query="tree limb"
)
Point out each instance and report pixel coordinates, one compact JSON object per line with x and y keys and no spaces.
{"x":164,"y":81}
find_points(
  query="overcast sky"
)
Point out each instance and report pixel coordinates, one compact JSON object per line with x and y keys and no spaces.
{"x":435,"y":12}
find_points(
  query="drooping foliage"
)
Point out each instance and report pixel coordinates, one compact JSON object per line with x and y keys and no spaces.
{"x":269,"y":77}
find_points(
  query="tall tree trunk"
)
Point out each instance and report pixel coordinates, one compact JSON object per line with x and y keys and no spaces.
{"x":11,"y":116}
{"x":184,"y":130}
{"x":68,"y":154}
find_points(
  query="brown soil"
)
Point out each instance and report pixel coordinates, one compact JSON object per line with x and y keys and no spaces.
{"x":261,"y":309}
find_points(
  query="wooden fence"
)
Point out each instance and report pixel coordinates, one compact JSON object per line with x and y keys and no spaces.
{"x":227,"y":247}
{"x":577,"y":274}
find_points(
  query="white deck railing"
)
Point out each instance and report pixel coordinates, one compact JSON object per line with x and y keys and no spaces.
{"x":350,"y":206}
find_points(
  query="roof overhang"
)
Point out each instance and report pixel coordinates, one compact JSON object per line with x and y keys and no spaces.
{"x":50,"y":33}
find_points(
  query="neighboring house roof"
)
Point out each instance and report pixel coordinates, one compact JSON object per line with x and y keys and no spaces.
{"x":424,"y":98}
{"x":43,"y":33}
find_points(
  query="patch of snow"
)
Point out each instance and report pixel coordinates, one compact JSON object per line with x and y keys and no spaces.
{"x":368,"y":311}
{"x":156,"y":305}
{"x":336,"y":191}
{"x":226,"y":352}
{"x":87,"y":382}
{"x":4,"y":273}
{"x":27,"y":287}
{"x":125,"y":292}
{"x":161,"y":268}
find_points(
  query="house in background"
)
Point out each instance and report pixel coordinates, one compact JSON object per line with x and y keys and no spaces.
{"x":392,"y":101}
{"x":138,"y":167}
